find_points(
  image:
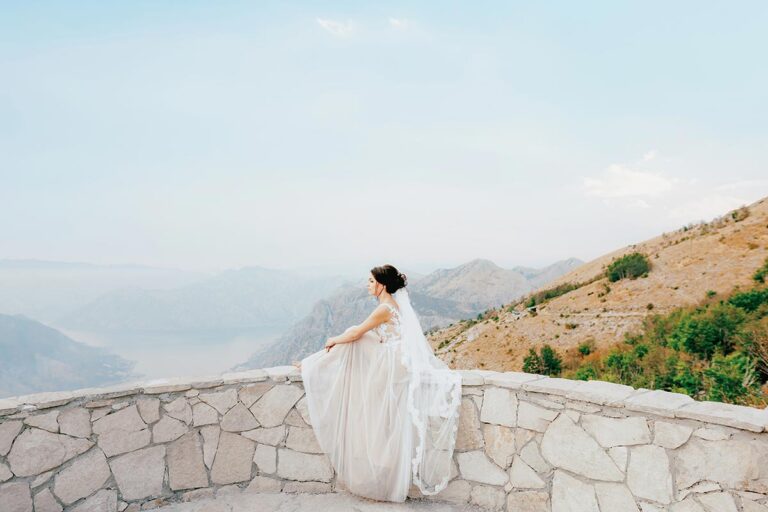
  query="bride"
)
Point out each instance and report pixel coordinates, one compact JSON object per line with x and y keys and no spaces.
{"x":382,"y":406}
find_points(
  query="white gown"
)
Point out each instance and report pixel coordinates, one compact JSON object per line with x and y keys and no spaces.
{"x":357,"y":401}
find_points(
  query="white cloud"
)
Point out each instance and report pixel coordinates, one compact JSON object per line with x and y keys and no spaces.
{"x":650,"y":155}
{"x":621,"y":181}
{"x":745,"y":185}
{"x":337,"y":28}
{"x":399,"y":24}
{"x":704,"y":207}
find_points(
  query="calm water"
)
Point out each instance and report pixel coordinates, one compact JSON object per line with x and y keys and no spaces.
{"x":196,"y":354}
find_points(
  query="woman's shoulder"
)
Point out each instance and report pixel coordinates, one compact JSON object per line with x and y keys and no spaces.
{"x":392,"y":308}
{"x":387,"y":305}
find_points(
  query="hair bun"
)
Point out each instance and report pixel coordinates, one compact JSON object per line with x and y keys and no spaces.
{"x":390,"y":277}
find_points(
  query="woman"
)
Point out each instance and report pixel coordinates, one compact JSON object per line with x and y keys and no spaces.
{"x":382,"y":406}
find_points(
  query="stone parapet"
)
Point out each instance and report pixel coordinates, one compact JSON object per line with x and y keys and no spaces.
{"x":526,"y":443}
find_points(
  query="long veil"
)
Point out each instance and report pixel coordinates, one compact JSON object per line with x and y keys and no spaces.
{"x":434,"y":397}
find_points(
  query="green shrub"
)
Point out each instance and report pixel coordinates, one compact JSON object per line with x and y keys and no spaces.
{"x":740,"y":214}
{"x":729,"y":378}
{"x":679,"y":376}
{"x":551,"y":293}
{"x":623,"y":366}
{"x":761,"y":273}
{"x":587,"y":371}
{"x":585,"y":349}
{"x":749,"y":300}
{"x":631,"y":265}
{"x":546,"y":362}
{"x":711,"y":293}
{"x":641,"y":350}
{"x":706,"y":331}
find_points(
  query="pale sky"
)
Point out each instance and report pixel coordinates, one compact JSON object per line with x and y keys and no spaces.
{"x":211,"y":135}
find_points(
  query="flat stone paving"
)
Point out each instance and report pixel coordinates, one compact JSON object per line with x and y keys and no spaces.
{"x":286,"y":502}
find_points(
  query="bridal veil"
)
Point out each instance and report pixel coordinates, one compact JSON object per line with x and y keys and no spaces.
{"x":433,"y":401}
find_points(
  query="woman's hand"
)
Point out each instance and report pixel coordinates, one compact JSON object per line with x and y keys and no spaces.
{"x":329,"y":344}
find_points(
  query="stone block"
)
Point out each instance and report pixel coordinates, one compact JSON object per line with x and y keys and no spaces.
{"x":648,"y":474}
{"x":272,"y":436}
{"x":75,"y":422}
{"x":571,"y":495}
{"x":149,"y":409}
{"x":204,"y":414}
{"x":186,"y":469}
{"x":210,"y":443}
{"x":533,"y":417}
{"x":222,"y":401}
{"x":238,"y":419}
{"x":737,"y":416}
{"x":477,"y":467}
{"x":468,"y":436}
{"x":82,"y":478}
{"x":126,"y":420}
{"x":45,"y":502}
{"x":610,"y":432}
{"x":272,"y":408}
{"x":553,"y":386}
{"x":294,"y":465}
{"x":511,"y":380}
{"x":15,"y":497}
{"x":47,"y":421}
{"x":180,"y":410}
{"x":115,"y":442}
{"x":487,"y":497}
{"x":670,"y":435}
{"x":499,"y":407}
{"x":565,"y":445}
{"x":8,"y":432}
{"x":602,"y":393}
{"x":139,"y":474}
{"x":264,"y":484}
{"x":265,"y":458}
{"x":528,"y":501}
{"x":657,"y":401}
{"x":168,"y":429}
{"x":499,"y":444}
{"x":104,"y":500}
{"x":233,"y":461}
{"x":302,"y":440}
{"x":615,"y":497}
{"x":36,"y":451}
{"x":248,"y":395}
{"x":522,"y":476}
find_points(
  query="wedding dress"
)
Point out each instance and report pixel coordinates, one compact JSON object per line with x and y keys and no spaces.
{"x":385,"y":409}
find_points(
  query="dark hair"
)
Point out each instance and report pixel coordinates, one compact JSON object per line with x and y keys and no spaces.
{"x":389,"y":277}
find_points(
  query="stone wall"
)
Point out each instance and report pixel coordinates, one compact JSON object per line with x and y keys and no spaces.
{"x":526,"y":443}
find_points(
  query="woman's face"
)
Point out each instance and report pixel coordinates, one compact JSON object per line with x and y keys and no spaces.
{"x":373,"y":285}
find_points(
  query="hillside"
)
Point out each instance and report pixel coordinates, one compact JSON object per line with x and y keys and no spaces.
{"x":440,"y":298}
{"x":35,"y":358}
{"x":718,"y":256}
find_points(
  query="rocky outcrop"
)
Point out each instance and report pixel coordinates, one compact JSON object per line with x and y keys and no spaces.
{"x":525,"y":443}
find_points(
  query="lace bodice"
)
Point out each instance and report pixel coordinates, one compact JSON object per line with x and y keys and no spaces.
{"x":390,"y":331}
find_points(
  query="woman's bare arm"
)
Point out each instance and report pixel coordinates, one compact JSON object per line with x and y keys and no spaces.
{"x":377,"y":317}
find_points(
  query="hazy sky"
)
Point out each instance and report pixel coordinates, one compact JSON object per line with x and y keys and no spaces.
{"x":207,"y":135}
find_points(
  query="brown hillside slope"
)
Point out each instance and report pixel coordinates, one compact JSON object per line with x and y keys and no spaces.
{"x":685,"y":264}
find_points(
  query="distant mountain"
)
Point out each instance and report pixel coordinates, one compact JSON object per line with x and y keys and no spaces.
{"x":36,"y":358}
{"x":250,"y":297}
{"x":439,"y":298}
{"x":51,"y":290}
